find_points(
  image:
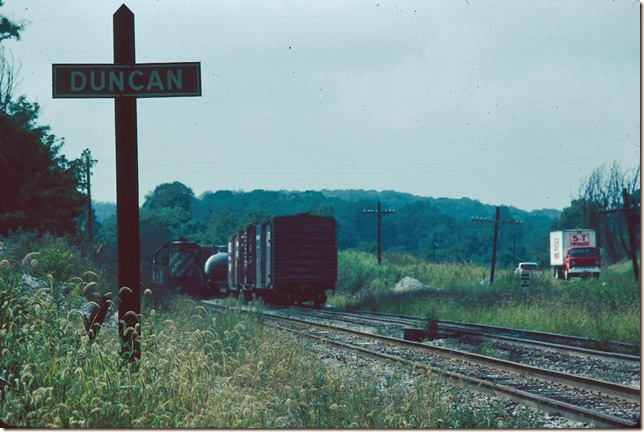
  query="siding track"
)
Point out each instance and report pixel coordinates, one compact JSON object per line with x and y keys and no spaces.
{"x":600,"y":403}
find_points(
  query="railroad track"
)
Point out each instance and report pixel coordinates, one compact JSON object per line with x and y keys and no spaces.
{"x":570,"y":345}
{"x":597,"y":402}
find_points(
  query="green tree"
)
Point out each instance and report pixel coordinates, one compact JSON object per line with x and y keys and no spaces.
{"x":8,"y":28}
{"x":39,"y":187}
{"x":174,"y":194}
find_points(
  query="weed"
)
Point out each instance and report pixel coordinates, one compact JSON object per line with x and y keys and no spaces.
{"x":606,"y":309}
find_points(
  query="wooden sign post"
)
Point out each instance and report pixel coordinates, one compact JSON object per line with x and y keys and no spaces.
{"x":125,"y":81}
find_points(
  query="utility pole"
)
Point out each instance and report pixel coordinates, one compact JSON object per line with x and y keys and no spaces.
{"x":514,"y":249}
{"x":89,"y":197}
{"x":628,"y":211}
{"x":434,"y":248}
{"x":497,"y":224}
{"x":379,"y":213}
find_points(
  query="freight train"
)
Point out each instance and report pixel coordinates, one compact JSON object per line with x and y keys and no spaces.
{"x":285,"y":260}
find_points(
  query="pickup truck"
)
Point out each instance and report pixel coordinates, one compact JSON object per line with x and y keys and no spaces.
{"x":531,"y":267}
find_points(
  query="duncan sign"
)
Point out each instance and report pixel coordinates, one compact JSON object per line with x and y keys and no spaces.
{"x":138,"y":80}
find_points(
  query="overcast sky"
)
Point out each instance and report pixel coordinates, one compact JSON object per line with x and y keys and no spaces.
{"x":508,"y":102}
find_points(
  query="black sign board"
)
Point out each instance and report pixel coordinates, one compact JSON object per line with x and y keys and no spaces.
{"x":138,"y":80}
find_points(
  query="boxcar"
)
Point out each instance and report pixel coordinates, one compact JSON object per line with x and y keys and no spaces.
{"x":286,"y":259}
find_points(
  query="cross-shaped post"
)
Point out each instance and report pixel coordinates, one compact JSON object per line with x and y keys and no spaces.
{"x":497,"y":224}
{"x":125,"y":81}
{"x":379,"y":213}
{"x":628,"y":211}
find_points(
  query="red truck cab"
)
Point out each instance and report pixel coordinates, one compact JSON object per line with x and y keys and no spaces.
{"x":582,"y":261}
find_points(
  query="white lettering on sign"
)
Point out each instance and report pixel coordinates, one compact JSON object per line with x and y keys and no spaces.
{"x":133,"y":80}
{"x":92,"y":81}
{"x":130,"y":80}
{"x":73,"y":77}
{"x":176,"y":79}
{"x":116,"y":79}
{"x":154,"y":81}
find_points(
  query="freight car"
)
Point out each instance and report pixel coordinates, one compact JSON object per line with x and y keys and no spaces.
{"x":179,"y":264}
{"x":286,"y":259}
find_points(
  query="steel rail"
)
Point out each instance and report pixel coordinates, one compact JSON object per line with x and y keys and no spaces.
{"x":549,"y":405}
{"x":450,"y":329}
{"x":580,"y":382}
{"x":557,"y":338}
{"x":577,"y":381}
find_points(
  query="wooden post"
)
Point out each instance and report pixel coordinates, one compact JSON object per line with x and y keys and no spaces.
{"x":496,"y":235}
{"x":379,"y":235}
{"x":126,"y":80}
{"x":631,"y":235}
{"x":434,"y":248}
{"x":127,"y":194}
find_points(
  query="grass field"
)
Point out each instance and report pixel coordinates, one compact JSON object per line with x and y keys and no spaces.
{"x":198,"y":369}
{"x":605,"y":309}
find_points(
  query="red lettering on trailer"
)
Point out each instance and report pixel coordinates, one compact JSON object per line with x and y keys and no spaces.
{"x":580,"y":239}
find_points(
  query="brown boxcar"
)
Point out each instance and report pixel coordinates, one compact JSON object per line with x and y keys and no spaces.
{"x":286,"y":259}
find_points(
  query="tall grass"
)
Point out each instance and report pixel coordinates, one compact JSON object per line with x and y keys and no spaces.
{"x":605,"y":309}
{"x":198,"y":369}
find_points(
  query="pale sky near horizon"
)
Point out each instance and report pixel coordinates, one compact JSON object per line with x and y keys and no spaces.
{"x":505,"y":102}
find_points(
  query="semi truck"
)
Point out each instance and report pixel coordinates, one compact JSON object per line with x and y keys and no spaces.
{"x":574,"y":253}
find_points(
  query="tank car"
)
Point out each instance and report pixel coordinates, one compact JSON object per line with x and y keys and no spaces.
{"x":216,"y":275}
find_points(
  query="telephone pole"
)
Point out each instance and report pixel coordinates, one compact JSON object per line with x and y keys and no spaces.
{"x":89,"y":197}
{"x":434,"y":244}
{"x":379,"y":213}
{"x":514,"y":249}
{"x":497,"y":224}
{"x":628,"y":211}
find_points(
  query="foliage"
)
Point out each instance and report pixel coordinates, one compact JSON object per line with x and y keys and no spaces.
{"x":170,"y":195}
{"x":9,"y":29}
{"x":38,"y":185}
{"x":605,"y":309}
{"x":413,"y":228}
